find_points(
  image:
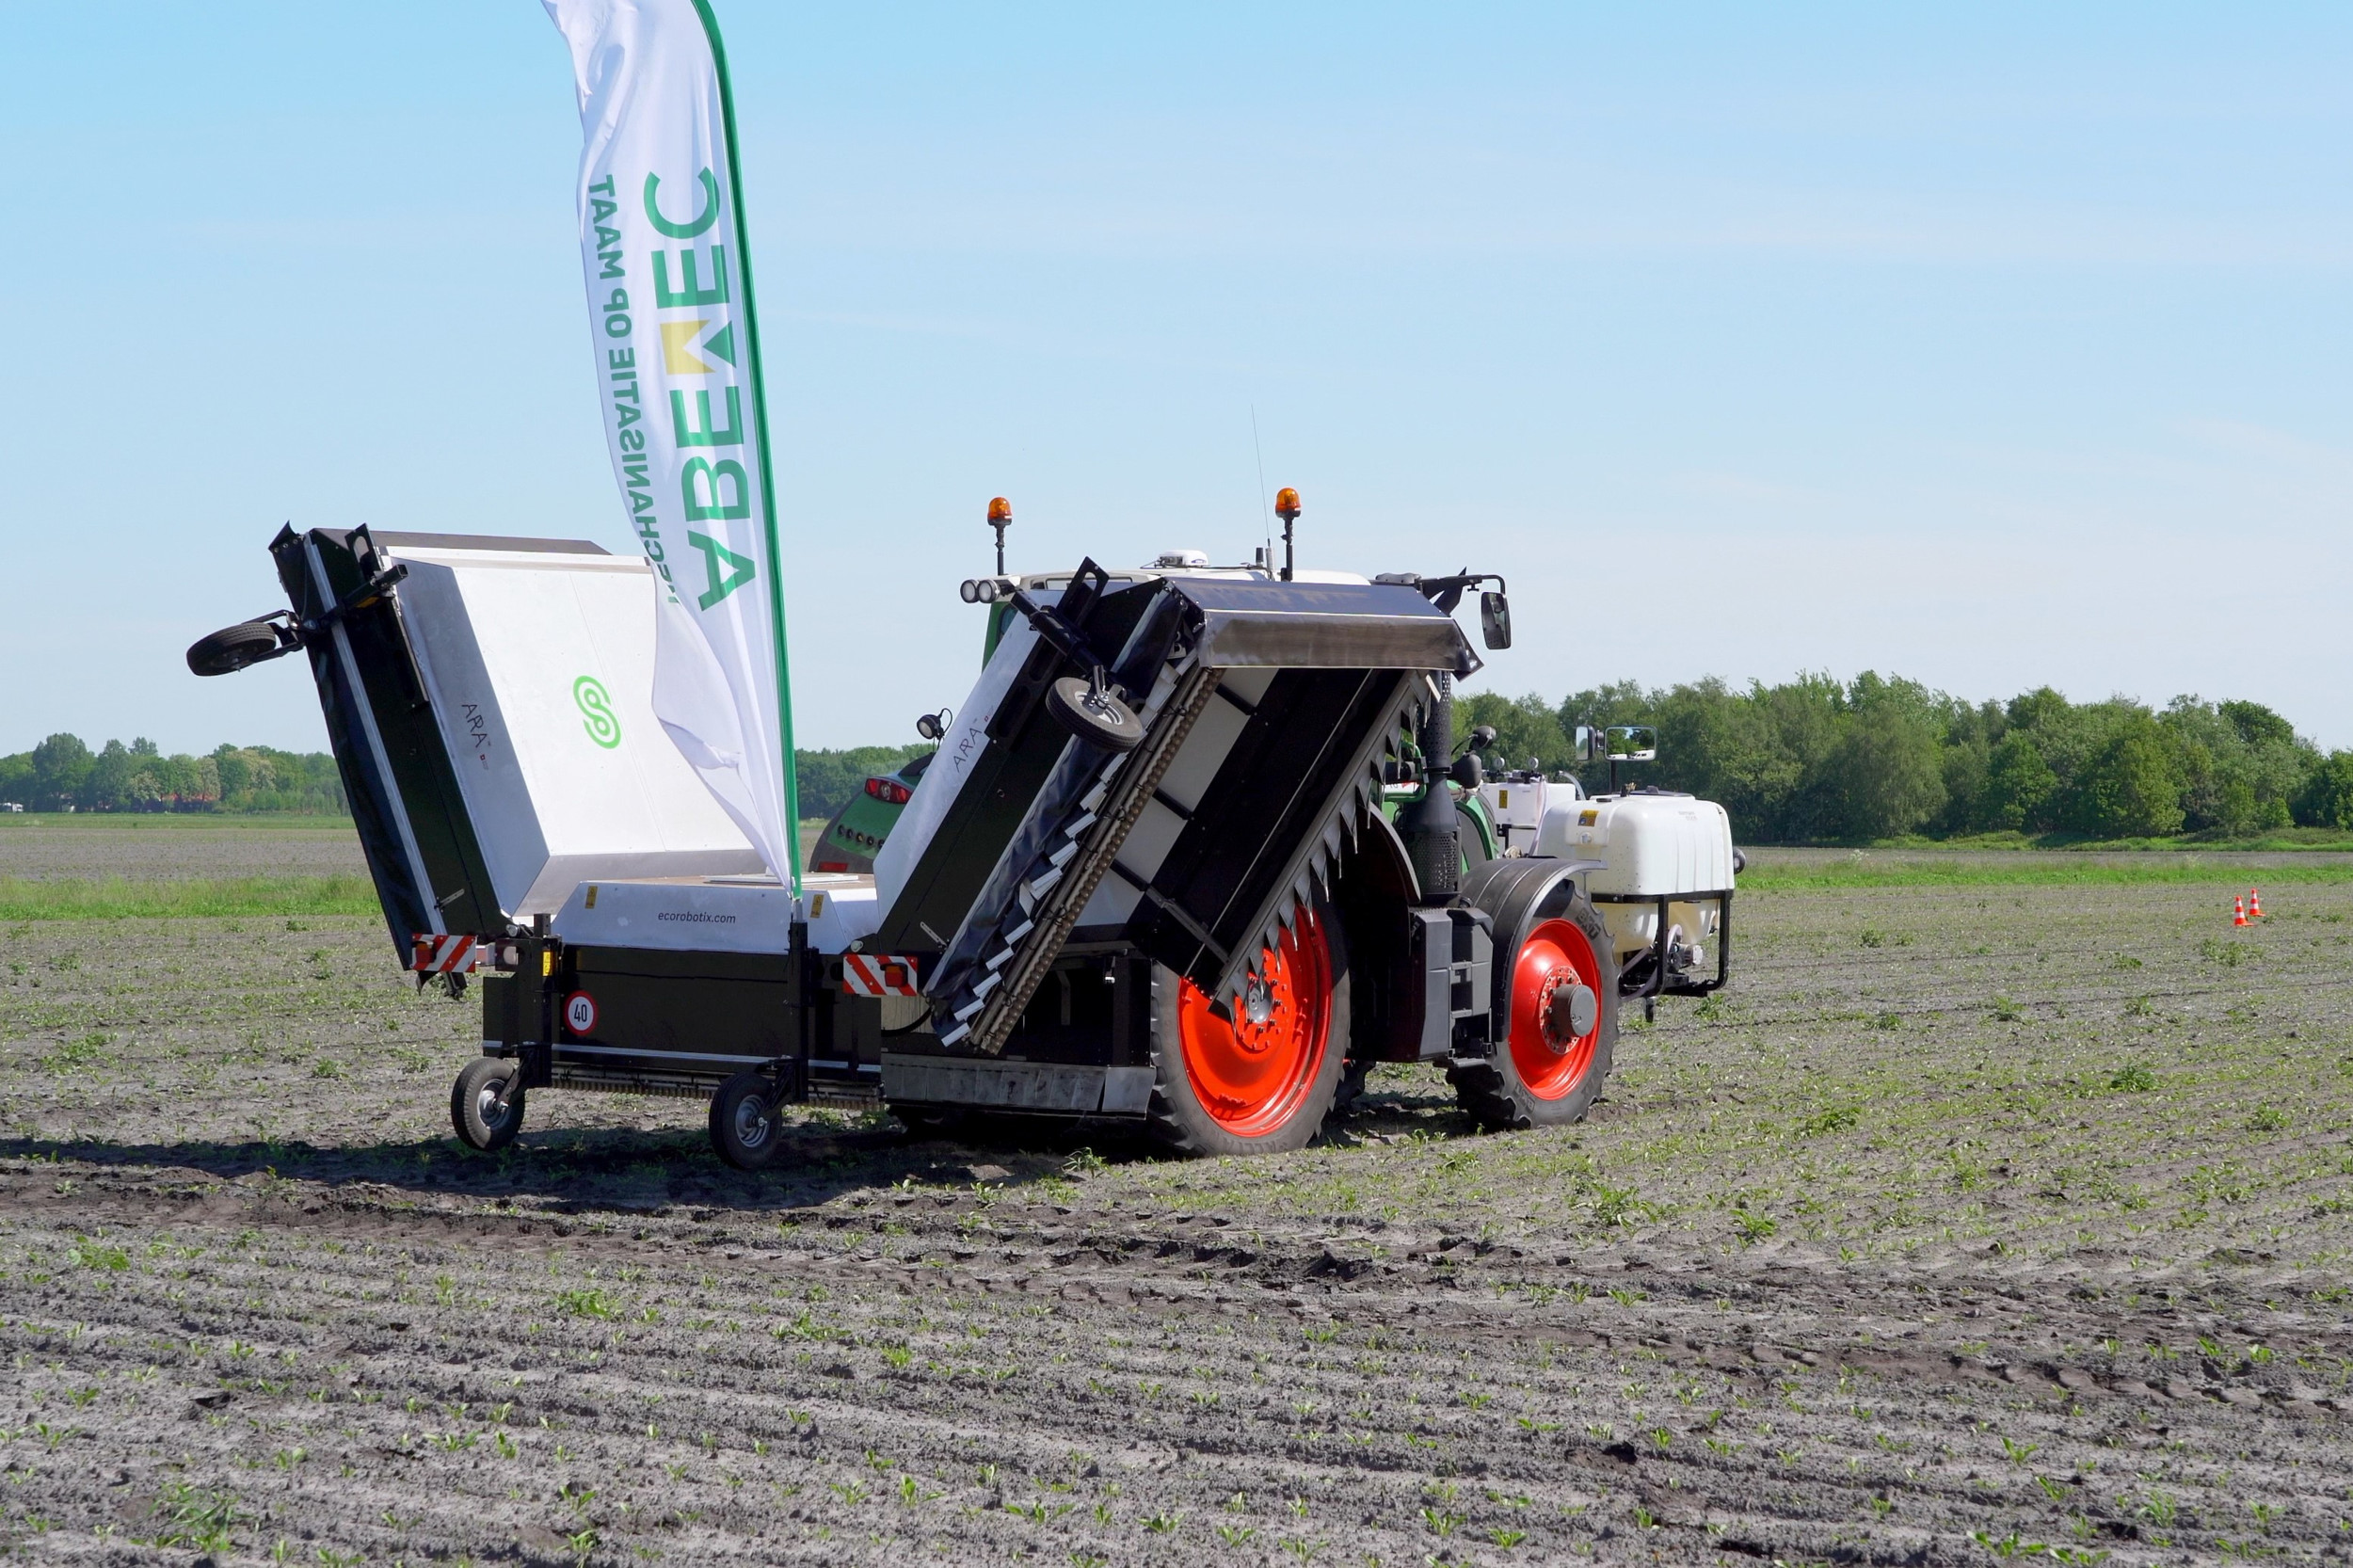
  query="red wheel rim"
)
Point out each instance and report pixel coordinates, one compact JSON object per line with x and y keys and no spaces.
{"x":1550,"y":1061}
{"x":1251,"y":1075}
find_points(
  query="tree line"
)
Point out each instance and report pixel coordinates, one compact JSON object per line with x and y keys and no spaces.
{"x":1815,"y":760}
{"x":1808,"y":761}
{"x":63,"y":773}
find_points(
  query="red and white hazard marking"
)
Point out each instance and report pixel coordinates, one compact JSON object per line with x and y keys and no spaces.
{"x":444,"y":954}
{"x":580,"y":1013}
{"x":878,"y":975}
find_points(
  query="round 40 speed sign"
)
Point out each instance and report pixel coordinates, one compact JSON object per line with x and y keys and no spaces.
{"x":580,"y":1013}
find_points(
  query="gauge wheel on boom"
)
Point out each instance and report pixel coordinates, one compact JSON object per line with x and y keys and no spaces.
{"x":746,"y":1126}
{"x":233,"y":647}
{"x":1556,"y":1020}
{"x":486,"y":1104}
{"x":1264,"y":1083}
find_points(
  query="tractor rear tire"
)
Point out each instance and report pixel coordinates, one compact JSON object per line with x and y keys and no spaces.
{"x":1260,"y":1084}
{"x":746,"y":1128}
{"x":1556,"y":1012}
{"x":486,"y":1104}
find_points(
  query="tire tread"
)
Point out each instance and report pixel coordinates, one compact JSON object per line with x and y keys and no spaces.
{"x":1480,"y":1090}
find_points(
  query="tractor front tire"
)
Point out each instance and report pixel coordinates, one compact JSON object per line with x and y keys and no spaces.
{"x":1262,"y":1083}
{"x":1557,"y":1021}
{"x":486,"y":1104}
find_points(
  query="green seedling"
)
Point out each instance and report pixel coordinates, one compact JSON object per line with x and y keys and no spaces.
{"x":586,"y":1304}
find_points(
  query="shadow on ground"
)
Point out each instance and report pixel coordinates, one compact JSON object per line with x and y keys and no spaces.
{"x":631,"y":1170}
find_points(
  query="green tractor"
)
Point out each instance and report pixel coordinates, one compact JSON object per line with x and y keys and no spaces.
{"x":856,"y":832}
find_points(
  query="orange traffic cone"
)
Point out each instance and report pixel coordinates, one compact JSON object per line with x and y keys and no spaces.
{"x":2238,"y":911}
{"x":2255,"y":903}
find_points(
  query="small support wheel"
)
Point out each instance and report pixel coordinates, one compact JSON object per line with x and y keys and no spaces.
{"x":930,"y":1122}
{"x":485,"y":1105}
{"x":233,"y":647}
{"x":1094,"y":714}
{"x":746,"y":1128}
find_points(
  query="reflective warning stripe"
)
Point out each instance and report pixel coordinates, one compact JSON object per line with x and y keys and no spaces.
{"x":433,"y":955}
{"x":879,"y":975}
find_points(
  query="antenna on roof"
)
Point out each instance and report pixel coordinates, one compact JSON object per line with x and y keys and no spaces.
{"x":1260,"y":453}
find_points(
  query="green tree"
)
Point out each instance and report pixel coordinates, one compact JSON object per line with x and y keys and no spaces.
{"x":1805,"y":717}
{"x":107,"y":786}
{"x":1970,"y":736}
{"x":2326,"y":798}
{"x":235,"y":769}
{"x":1882,"y":777}
{"x":2257,"y":725}
{"x":2241,"y":764}
{"x":1885,"y":776}
{"x":2131,"y":789}
{"x":2019,"y":785}
{"x":61,"y":766}
{"x":1720,"y":744}
{"x":1525,"y":730}
{"x":2274,"y":760}
{"x":2040,"y":709}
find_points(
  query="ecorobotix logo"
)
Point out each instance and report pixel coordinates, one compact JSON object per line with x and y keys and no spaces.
{"x":596,"y":712}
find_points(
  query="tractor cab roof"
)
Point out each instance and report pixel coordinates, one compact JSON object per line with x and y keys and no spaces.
{"x":1183,"y":563}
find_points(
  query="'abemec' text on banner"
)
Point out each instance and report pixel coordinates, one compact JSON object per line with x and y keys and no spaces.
{"x":678,"y":364}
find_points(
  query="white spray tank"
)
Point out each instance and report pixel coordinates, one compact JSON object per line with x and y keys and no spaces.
{"x":1652,"y":845}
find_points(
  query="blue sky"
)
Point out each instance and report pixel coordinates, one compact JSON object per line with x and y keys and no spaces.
{"x":1994,"y":347}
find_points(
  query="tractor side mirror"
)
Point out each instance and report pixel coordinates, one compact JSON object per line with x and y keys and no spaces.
{"x":1481,"y":737}
{"x":1586,"y":741}
{"x":1631,"y":743}
{"x":1494,"y":619}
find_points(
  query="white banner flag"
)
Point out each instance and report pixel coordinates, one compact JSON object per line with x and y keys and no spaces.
{"x":678,"y":372}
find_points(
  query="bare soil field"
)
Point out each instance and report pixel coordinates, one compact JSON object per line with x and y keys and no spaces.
{"x":48,"y":848}
{"x":1976,"y":1223}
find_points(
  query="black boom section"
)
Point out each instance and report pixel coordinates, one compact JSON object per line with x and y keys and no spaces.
{"x":428,"y":867}
{"x":1025,"y":752}
{"x":1291,"y":773}
{"x":1264,"y":706}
